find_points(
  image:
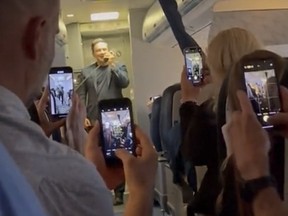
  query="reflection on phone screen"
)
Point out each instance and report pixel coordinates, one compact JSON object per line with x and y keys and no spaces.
{"x":61,"y":91}
{"x":194,"y":66}
{"x":117,"y":130}
{"x":262,"y":90}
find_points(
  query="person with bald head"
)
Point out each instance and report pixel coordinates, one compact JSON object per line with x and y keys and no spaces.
{"x":65,"y":182}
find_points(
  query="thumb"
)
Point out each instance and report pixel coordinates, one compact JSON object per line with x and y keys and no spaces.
{"x":58,"y":124}
{"x":123,"y":155}
{"x":93,"y":136}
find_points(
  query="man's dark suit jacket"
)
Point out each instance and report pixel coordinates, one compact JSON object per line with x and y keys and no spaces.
{"x":117,"y":80}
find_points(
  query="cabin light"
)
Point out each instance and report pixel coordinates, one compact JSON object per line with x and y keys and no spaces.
{"x":104,"y":16}
{"x":70,"y":15}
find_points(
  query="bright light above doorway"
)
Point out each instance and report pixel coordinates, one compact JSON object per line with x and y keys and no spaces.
{"x":104,"y":16}
{"x":70,"y":15}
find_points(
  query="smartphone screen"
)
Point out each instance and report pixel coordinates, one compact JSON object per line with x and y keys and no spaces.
{"x":117,"y":129}
{"x":262,"y":89}
{"x":61,"y":90}
{"x":194,"y":65}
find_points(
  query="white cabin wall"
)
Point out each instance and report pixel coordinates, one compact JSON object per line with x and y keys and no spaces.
{"x":155,"y":68}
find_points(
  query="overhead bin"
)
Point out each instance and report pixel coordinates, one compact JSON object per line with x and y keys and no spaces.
{"x":196,"y":15}
{"x":265,"y":18}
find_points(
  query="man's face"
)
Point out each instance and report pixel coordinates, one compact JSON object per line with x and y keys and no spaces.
{"x":99,"y":52}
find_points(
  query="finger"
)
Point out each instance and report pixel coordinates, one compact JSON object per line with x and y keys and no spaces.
{"x":93,"y":139}
{"x":58,"y":124}
{"x":207,"y":80}
{"x":124,"y":155}
{"x":284,"y":97}
{"x":245,"y":103}
{"x":279,"y":119}
{"x":74,"y":107}
{"x":146,"y":145}
{"x":44,"y":99}
{"x":183,"y":74}
{"x":96,"y":128}
{"x":139,"y":151}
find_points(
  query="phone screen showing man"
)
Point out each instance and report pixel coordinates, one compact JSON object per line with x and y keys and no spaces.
{"x":61,"y":91}
{"x":194,"y":66}
{"x":263,"y":90}
{"x":117,"y":131}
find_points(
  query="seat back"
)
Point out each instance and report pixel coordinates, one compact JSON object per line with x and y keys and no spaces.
{"x":155,"y":124}
{"x":169,"y":115}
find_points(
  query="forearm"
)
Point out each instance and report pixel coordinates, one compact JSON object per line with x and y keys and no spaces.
{"x":121,"y":76}
{"x":170,"y":9}
{"x":268,"y":203}
{"x":140,"y":204}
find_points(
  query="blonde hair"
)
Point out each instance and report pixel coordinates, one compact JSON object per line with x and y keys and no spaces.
{"x":225,"y":50}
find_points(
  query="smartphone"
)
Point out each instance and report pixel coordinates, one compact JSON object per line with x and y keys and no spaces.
{"x":117,"y":127}
{"x":61,"y":87}
{"x":262,"y":88}
{"x":194,"y":64}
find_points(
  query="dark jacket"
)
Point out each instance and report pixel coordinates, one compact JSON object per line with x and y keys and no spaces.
{"x":117,"y":79}
{"x":198,"y":124}
{"x":199,"y":136}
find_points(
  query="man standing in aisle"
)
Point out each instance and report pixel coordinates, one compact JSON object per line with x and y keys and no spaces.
{"x":104,"y":79}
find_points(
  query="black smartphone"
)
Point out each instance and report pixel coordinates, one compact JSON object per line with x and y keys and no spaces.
{"x":262,"y":88}
{"x":194,"y":64}
{"x":60,"y":83}
{"x":117,"y":128}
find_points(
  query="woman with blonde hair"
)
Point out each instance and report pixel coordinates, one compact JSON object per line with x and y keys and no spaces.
{"x":225,"y":50}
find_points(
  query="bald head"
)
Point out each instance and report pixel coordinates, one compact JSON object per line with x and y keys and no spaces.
{"x":28,"y":29}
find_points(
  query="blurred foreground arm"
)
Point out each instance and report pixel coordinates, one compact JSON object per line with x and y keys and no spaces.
{"x":140,"y":176}
{"x":139,"y":172}
{"x":251,"y":156}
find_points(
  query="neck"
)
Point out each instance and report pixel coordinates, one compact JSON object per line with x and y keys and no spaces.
{"x":11,"y":85}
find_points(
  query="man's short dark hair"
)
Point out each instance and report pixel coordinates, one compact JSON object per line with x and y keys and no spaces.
{"x":96,"y":41}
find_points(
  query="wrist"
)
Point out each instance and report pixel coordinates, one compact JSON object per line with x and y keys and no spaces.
{"x":254,"y":169}
{"x":185,"y":100}
{"x":141,"y":194}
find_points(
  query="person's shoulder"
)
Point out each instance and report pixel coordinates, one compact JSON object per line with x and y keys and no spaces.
{"x":120,"y":65}
{"x":88,"y":68}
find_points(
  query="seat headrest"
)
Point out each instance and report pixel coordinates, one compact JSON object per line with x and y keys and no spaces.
{"x":169,"y":115}
{"x":155,"y":124}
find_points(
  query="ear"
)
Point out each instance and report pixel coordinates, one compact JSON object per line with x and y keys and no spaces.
{"x":32,"y":37}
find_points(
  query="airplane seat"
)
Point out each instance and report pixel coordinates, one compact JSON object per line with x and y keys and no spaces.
{"x":160,"y":191}
{"x":170,"y":135}
{"x":169,"y":117}
{"x":155,"y":124}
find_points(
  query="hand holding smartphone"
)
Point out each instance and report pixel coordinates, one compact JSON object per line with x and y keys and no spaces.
{"x":117,"y":128}
{"x":194,"y":64}
{"x":262,"y":88}
{"x":61,"y":88}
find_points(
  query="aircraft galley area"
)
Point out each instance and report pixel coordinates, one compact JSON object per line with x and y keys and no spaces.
{"x":144,"y":107}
